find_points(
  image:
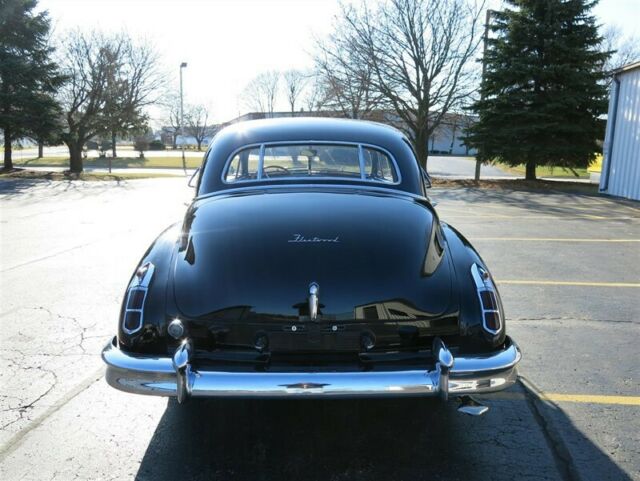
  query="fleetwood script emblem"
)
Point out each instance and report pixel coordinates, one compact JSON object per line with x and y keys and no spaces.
{"x":300,"y":239}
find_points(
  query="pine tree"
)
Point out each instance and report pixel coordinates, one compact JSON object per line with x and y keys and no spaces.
{"x":543,"y":88}
{"x":28,"y":77}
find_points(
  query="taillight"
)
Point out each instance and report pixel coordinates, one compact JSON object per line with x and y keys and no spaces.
{"x":491,"y":317}
{"x":136,"y":296}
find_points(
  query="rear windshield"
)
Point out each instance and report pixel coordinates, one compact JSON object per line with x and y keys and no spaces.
{"x":283,"y":161}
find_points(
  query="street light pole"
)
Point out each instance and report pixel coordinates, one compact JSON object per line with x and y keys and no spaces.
{"x":484,"y":70}
{"x":184,"y":162}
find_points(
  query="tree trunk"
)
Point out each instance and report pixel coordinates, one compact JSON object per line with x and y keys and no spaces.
{"x":477,"y":175}
{"x":8,"y":161}
{"x":531,"y":170}
{"x":175,"y":142}
{"x":453,"y":138}
{"x":75,"y":157}
{"x":40,"y":148}
{"x":199,"y":144}
{"x":421,"y":147}
{"x":113,"y":146}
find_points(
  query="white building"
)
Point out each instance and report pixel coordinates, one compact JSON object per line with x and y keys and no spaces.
{"x":621,"y":166}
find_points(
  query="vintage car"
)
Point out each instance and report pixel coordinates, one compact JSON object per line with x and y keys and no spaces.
{"x":311,"y":262}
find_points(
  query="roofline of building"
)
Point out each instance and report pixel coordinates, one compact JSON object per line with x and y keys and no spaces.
{"x":627,"y":68}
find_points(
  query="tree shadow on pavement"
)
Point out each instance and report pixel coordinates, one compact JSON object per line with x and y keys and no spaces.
{"x":45,"y":189}
{"x":15,"y":187}
{"x":395,"y":439}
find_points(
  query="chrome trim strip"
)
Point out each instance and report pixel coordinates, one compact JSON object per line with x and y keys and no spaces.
{"x":361,"y":162}
{"x":469,"y":375}
{"x":356,"y":187}
{"x":263,"y":145}
{"x":260,"y":164}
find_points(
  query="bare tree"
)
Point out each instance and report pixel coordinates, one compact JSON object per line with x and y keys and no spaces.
{"x":314,"y":95}
{"x":346,"y":74}
{"x":261,"y":92}
{"x":171,"y":109}
{"x":419,"y":52}
{"x":626,"y":49}
{"x":83,"y":97}
{"x":133,"y":84}
{"x":196,"y":119}
{"x":294,"y":82}
{"x":100,"y":67}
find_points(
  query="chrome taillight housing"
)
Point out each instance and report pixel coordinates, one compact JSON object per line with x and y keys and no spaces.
{"x":133,"y":317}
{"x":488,"y":298}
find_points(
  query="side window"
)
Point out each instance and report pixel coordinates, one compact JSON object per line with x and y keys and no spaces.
{"x":378,"y":166}
{"x":243,"y":165}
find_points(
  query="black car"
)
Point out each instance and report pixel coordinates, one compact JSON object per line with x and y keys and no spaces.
{"x":311,"y":262}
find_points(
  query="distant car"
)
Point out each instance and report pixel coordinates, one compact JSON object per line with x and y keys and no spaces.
{"x":311,"y":263}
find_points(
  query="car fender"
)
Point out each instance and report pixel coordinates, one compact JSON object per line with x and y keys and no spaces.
{"x":463,"y":256}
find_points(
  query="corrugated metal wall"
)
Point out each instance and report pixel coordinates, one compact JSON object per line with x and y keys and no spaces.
{"x":621,"y":167}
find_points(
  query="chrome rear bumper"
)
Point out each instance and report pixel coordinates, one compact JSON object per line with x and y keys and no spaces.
{"x":164,"y":376}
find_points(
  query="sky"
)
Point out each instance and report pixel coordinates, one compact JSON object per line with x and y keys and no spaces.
{"x":226,"y":43}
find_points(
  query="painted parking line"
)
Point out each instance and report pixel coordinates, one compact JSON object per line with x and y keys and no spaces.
{"x":592,"y":399}
{"x":551,"y":239}
{"x":567,"y":283}
{"x":570,"y":398}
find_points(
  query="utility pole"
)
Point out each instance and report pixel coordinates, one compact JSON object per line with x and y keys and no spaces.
{"x":184,"y":162}
{"x":484,"y":69}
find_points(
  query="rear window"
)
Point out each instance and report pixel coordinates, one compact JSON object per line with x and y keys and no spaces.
{"x":284,"y":161}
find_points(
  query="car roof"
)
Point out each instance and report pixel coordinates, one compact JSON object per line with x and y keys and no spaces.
{"x":307,"y":129}
{"x":310,"y":128}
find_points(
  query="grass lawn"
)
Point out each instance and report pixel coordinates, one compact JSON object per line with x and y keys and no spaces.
{"x":117,"y":163}
{"x":90,"y":176}
{"x":544,"y":171}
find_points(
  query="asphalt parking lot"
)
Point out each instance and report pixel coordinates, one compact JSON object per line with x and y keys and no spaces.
{"x":568,"y":268}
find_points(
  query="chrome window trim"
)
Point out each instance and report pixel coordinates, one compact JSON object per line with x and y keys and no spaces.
{"x":359,"y":145}
{"x":260,"y":163}
{"x":482,"y":285}
{"x":356,"y":185}
{"x":138,"y":284}
{"x":361,"y":162}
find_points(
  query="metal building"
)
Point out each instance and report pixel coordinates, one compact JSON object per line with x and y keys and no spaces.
{"x":621,"y":167}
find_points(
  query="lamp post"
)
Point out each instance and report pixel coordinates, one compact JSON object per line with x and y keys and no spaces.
{"x":487,"y":25}
{"x":184,"y":162}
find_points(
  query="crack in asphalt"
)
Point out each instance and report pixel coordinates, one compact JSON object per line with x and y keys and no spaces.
{"x":16,"y":440}
{"x":22,"y":408}
{"x":561,"y":454}
{"x":25,"y":406}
